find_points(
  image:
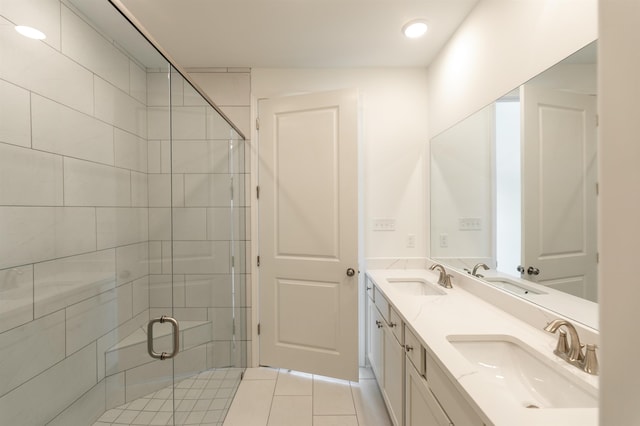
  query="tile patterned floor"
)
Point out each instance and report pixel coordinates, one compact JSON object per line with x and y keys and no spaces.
{"x":272,"y":397}
{"x":265,"y":397}
{"x":203,"y":399}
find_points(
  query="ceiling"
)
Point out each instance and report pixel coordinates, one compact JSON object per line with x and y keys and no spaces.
{"x":297,"y":33}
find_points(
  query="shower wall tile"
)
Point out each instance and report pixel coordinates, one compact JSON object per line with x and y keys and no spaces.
{"x":121,"y":226}
{"x":83,"y":44}
{"x":207,"y":190}
{"x":36,"y":234}
{"x":227,"y":89}
{"x":178,"y":190}
{"x":219,"y":223}
{"x":140,"y":289}
{"x":159,"y":123}
{"x":41,"y":14}
{"x":201,"y":257}
{"x":189,"y":224}
{"x":158,"y":89}
{"x":201,"y":157}
{"x":240,"y":116}
{"x":90,"y":184}
{"x":96,"y":316}
{"x":91,"y":405}
{"x":222,"y":323}
{"x":139,"y":189}
{"x":16,"y":297}
{"x":28,"y":350}
{"x":217,"y":127}
{"x":159,"y":190}
{"x":155,"y":257}
{"x":118,"y":108}
{"x":210,"y":291}
{"x":188,"y":123}
{"x":73,"y":85}
{"x":77,"y":373}
{"x":63,"y":282}
{"x":166,"y":259}
{"x":62,"y":130}
{"x":137,"y":82}
{"x":131,"y":151}
{"x":132,"y":262}
{"x":29,"y":177}
{"x":15,"y":119}
{"x":192,"y":97}
{"x":160,"y":291}
{"x":115,"y":389}
{"x":160,"y":223}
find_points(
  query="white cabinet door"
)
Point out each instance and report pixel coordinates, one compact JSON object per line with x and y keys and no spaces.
{"x":376,"y":340}
{"x":421,"y":407}
{"x":393,"y":376}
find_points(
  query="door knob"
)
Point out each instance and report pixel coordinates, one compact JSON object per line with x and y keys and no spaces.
{"x":533,"y":271}
{"x":351,"y":272}
{"x":520,"y":269}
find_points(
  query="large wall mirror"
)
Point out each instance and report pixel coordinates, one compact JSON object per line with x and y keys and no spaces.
{"x":514,"y":186}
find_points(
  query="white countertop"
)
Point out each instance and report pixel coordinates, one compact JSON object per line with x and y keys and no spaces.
{"x":458,"y":312}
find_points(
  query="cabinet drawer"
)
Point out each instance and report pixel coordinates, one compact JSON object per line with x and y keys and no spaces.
{"x":457,"y":408}
{"x":395,"y":324}
{"x":381,"y":303}
{"x":414,"y":350}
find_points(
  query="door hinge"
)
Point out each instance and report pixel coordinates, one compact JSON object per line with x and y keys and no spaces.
{"x":258,"y":329}
{"x":258,"y":192}
{"x":258,"y":262}
{"x":597,"y":120}
{"x":233,"y":261}
{"x":597,"y":188}
{"x":257,"y":124}
{"x":597,"y":257}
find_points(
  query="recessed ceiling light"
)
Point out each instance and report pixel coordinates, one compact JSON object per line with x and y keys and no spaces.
{"x":414,"y":29}
{"x":30,"y":32}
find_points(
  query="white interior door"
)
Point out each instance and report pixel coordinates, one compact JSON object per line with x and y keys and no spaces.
{"x":559,"y":194}
{"x":308,"y":233}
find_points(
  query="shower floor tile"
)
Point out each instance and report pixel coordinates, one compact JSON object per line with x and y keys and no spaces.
{"x":203,"y":399}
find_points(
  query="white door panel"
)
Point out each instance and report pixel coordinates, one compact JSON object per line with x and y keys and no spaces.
{"x":559,"y":178}
{"x":308,"y":233}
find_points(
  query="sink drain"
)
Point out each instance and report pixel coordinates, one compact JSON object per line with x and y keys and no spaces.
{"x":532,"y":406}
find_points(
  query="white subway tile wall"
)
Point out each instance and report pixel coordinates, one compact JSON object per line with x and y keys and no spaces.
{"x":106,"y":169}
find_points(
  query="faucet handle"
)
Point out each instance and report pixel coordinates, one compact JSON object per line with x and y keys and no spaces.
{"x":562,"y":347}
{"x":591,"y":360}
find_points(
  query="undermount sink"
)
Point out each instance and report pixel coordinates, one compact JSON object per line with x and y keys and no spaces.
{"x":512,"y":286}
{"x":416,"y":286}
{"x":521,"y":375}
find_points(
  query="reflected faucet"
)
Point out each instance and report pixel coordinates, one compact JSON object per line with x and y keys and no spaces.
{"x":444,"y":279}
{"x":475,"y":273}
{"x":573,"y":355}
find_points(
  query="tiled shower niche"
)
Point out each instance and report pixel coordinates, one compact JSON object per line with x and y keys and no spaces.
{"x":121,"y":200}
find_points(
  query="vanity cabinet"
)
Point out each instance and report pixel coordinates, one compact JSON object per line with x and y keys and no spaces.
{"x":386,"y":353}
{"x":416,"y":390}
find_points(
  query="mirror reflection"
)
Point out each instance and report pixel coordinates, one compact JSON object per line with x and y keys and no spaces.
{"x":514,"y":186}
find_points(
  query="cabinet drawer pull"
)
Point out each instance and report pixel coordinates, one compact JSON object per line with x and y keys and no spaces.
{"x":379,"y":324}
{"x":408,"y":348}
{"x":392,"y":324}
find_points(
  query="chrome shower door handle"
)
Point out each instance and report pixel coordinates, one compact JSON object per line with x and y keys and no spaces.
{"x":176,"y":338}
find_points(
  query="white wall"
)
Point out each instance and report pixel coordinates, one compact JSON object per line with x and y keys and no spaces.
{"x":500,"y":45}
{"x":619,"y":152}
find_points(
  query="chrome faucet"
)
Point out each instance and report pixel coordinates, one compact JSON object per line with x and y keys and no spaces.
{"x":444,"y":279}
{"x":475,"y":269}
{"x":573,"y":354}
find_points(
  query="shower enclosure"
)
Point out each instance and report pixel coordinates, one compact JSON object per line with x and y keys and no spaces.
{"x":122,"y":207}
